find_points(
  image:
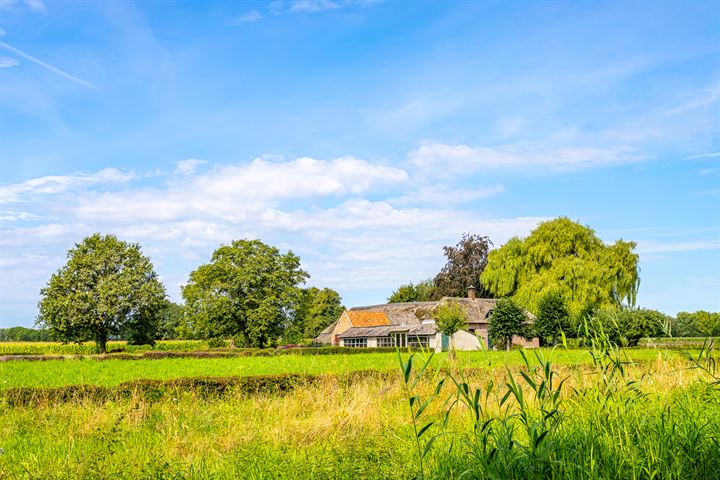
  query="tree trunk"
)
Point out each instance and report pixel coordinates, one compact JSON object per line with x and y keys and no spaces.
{"x":102,"y":342}
{"x":508,"y":342}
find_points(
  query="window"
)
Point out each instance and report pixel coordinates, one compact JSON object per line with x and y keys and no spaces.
{"x":416,"y":341}
{"x":355,"y":342}
{"x":385,"y":342}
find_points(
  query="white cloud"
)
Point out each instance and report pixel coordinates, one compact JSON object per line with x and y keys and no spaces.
{"x":311,"y":6}
{"x":187,"y":167}
{"x":53,"y":184}
{"x":704,"y":155}
{"x":320,"y":209}
{"x":656,"y":247}
{"x":443,"y":196}
{"x":12,"y":216}
{"x":250,"y":17}
{"x":514,"y":157}
{"x":279,"y":7}
{"x":7,"y":62}
{"x":236,"y":192}
{"x":36,"y":5}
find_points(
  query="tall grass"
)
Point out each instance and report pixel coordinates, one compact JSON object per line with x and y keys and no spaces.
{"x":530,"y":426}
{"x":540,"y":414}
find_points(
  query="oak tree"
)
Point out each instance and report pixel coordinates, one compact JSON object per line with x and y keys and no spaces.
{"x":107,"y":288}
{"x":249,"y":290}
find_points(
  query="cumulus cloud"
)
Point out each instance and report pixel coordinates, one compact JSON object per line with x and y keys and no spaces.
{"x":237,"y":192}
{"x":514,"y":157}
{"x":187,"y":167}
{"x":329,"y":212}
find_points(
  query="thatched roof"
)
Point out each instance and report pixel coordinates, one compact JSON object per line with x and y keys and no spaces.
{"x":421,"y":329}
{"x":381,"y":320}
{"x":326,"y":335}
{"x":413,"y":313}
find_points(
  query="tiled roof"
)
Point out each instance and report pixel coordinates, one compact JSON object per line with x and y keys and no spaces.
{"x":367,"y":319}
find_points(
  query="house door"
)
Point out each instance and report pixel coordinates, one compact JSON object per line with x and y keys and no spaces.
{"x":400,"y":340}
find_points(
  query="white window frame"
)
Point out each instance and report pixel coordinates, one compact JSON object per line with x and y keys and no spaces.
{"x":355,"y":342}
{"x":418,"y":341}
{"x":386,"y":341}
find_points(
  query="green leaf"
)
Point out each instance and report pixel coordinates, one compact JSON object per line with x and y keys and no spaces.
{"x":408,"y":369}
{"x":429,"y":445}
{"x":424,"y":429}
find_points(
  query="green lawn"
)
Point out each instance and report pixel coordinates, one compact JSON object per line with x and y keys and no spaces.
{"x":55,"y":373}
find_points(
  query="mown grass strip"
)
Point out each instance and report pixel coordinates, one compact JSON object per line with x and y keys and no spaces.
{"x":215,"y":353}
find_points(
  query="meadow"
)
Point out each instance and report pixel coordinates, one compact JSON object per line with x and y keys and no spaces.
{"x":596,"y":413}
{"x":111,"y":371}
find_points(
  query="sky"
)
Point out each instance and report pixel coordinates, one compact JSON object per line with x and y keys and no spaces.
{"x":362,"y":135}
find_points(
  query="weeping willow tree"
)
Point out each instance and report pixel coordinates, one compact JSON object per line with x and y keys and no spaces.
{"x":563,"y":257}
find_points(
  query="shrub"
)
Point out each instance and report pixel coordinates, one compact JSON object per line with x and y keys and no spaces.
{"x":217,"y":343}
{"x":151,"y":390}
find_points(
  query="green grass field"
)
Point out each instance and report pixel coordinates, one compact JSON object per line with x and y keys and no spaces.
{"x":656,"y":418}
{"x":57,"y":373}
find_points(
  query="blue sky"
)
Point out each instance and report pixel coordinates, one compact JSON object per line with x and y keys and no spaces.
{"x":363,"y":135}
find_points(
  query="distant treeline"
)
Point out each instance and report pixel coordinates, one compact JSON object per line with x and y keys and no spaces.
{"x":23,"y":334}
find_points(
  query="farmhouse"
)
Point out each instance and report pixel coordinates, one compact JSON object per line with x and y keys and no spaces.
{"x":413,"y":325}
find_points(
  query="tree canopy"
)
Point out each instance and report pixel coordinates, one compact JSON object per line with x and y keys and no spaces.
{"x":552,"y":318}
{"x":106,"y":288}
{"x":171,"y":322}
{"x":466,"y":261}
{"x":507,"y":321}
{"x":565,"y":257}
{"x":318,"y":309}
{"x":697,"y":324}
{"x":421,"y":292}
{"x":625,"y":326}
{"x":23,"y":334}
{"x":449,"y":318}
{"x":248,"y":290}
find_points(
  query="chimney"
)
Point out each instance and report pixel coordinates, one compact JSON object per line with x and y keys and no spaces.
{"x":472,"y":292}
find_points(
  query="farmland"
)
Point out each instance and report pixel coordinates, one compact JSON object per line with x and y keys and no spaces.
{"x":54,"y":373}
{"x":638,"y":413}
